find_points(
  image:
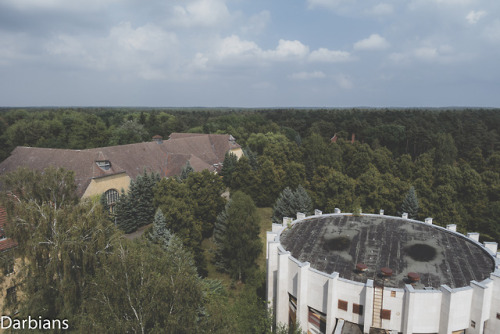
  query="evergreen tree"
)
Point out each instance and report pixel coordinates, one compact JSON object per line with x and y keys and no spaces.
{"x":136,"y":208}
{"x":410,"y":204}
{"x":290,"y":202}
{"x":186,"y":170}
{"x":228,"y":167}
{"x":237,"y":237}
{"x":160,"y":233}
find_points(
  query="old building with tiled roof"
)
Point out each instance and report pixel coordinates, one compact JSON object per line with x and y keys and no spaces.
{"x":110,"y":169}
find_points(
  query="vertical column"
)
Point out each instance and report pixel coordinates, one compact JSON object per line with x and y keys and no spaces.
{"x":331,"y":302}
{"x":282,"y":289}
{"x":445,"y":316}
{"x":481,"y":304}
{"x":303,"y":282}
{"x":368,"y":309}
{"x":272,"y":272}
{"x":409,"y":301}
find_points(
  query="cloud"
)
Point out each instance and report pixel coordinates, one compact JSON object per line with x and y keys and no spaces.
{"x":256,"y":24}
{"x":473,"y":17}
{"x":328,"y":3}
{"x":59,"y":5}
{"x":202,"y":13}
{"x":234,"y":47}
{"x":374,"y":42}
{"x":288,"y":49}
{"x":344,"y":81}
{"x":329,"y":56}
{"x":308,"y":75}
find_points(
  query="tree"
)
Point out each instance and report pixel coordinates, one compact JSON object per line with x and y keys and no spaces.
{"x":410,"y":204}
{"x":136,"y":208}
{"x":290,"y":202}
{"x":186,"y":170}
{"x":159,"y":233}
{"x":145,"y":288}
{"x":237,"y":237}
{"x":228,"y":167}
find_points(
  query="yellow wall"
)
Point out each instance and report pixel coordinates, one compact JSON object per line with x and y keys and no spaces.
{"x":101,"y":185}
{"x":237,"y":151}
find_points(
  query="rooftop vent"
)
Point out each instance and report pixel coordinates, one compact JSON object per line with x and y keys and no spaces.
{"x":103,"y":164}
{"x":413,"y":277}
{"x":386,"y":272}
{"x":158,"y":139}
{"x":361,"y":267}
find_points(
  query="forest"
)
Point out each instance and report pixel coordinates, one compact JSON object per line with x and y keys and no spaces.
{"x":440,"y":163}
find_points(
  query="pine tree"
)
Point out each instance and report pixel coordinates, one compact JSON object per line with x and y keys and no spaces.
{"x":237,"y":237}
{"x":228,"y":167}
{"x":186,"y":170}
{"x":160,"y":234}
{"x":410,"y":204}
{"x":290,"y":202}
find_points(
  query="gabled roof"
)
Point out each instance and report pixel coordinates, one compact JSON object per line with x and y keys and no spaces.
{"x":167,"y":158}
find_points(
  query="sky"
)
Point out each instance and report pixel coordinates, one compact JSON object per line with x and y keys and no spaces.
{"x":250,"y":53}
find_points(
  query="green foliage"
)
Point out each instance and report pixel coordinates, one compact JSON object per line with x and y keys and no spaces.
{"x":410,"y":204}
{"x":159,"y":233}
{"x":135,"y":208}
{"x":237,"y":237}
{"x":186,"y":170}
{"x":290,"y":202}
{"x":228,"y":167}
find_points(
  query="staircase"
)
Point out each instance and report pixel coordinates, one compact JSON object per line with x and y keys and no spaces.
{"x":377,"y":306}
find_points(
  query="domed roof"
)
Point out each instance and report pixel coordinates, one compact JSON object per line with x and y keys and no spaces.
{"x":336,"y":243}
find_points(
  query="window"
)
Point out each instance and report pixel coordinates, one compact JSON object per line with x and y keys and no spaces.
{"x":111,"y":198}
{"x":393,"y":293}
{"x":317,"y":321}
{"x":292,"y":311}
{"x":385,"y":314}
{"x":343,"y":305}
{"x":357,"y":309}
{"x":104,"y":164}
{"x":473,"y":324}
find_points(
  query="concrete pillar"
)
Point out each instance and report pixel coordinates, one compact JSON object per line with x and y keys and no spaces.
{"x":409,"y":301}
{"x":270,"y":237}
{"x":318,"y":212}
{"x":337,"y":210}
{"x":303,"y":280}
{"x":481,"y":304}
{"x":473,"y":235}
{"x":331,"y":303}
{"x":301,"y":215}
{"x":381,"y":212}
{"x":368,"y":307}
{"x":451,"y":227}
{"x":286,"y":221}
{"x":493,"y":326}
{"x":491,"y":246}
{"x":272,"y":271}
{"x":282,"y":299}
{"x":404,"y":215}
{"x":445,"y":316}
{"x":428,"y":220}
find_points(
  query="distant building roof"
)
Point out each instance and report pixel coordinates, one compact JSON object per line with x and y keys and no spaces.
{"x":167,"y":158}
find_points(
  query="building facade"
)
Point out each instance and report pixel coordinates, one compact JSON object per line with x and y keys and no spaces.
{"x":332,"y":273}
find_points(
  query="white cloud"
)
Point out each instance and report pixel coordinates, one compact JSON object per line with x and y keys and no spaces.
{"x":288,"y":49}
{"x":374,"y":42}
{"x":492,"y":32}
{"x":201,"y":13}
{"x":148,"y":38}
{"x":308,"y":75}
{"x":473,"y":17}
{"x":234,"y":47}
{"x":330,"y":56}
{"x":59,"y":5}
{"x":256,"y":24}
{"x":344,"y":81}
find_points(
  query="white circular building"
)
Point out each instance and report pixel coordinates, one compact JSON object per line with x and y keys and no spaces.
{"x":342,"y":273}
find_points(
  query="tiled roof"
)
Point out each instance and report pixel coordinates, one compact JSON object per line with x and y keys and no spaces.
{"x":166,"y":158}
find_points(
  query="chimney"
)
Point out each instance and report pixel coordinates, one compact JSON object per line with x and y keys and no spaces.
{"x":337,"y":210}
{"x":381,"y":212}
{"x":301,"y":215}
{"x":404,"y":215}
{"x":158,"y":139}
{"x":473,"y":235}
{"x":451,"y":227}
{"x":492,"y":246}
{"x":318,"y":212}
{"x":428,"y":220}
{"x":286,"y":221}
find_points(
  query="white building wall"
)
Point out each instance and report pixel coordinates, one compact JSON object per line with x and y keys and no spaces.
{"x":455,"y":309}
{"x":493,"y":323}
{"x":395,"y":304}
{"x":426,"y":311}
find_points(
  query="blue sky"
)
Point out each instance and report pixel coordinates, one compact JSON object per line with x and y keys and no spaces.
{"x":250,"y":53}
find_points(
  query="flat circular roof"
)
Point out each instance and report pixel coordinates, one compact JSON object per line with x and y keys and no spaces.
{"x":337,"y":243}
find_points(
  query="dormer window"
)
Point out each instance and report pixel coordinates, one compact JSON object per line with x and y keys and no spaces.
{"x":104,"y":164}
